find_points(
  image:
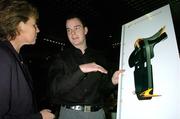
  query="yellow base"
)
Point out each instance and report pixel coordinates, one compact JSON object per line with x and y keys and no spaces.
{"x":147,"y":94}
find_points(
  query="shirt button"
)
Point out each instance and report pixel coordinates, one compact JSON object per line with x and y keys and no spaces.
{"x":85,"y":90}
{"x":86,"y":100}
{"x":85,"y":77}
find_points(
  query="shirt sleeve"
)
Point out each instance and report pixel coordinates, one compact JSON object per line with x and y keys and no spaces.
{"x":62,"y":78}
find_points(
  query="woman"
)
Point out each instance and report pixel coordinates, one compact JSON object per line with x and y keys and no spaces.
{"x":17,"y":28}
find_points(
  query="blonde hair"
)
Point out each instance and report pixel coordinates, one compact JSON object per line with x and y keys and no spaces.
{"x":12,"y":12}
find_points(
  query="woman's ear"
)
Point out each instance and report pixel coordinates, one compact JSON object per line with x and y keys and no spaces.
{"x":20,"y":26}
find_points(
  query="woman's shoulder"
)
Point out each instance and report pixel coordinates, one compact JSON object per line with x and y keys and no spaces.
{"x":5,"y":55}
{"x":4,"y":51}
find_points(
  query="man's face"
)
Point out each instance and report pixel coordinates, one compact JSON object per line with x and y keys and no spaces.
{"x":76,"y":32}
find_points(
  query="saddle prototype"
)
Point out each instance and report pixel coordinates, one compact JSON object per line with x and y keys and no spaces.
{"x":141,"y":59}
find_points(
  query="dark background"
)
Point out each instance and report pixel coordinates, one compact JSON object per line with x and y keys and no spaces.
{"x":104,"y":19}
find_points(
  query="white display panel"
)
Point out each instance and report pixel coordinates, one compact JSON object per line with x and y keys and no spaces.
{"x":165,"y":69}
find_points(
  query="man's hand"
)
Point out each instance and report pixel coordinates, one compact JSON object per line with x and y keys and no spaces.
{"x":92,"y":67}
{"x":115,"y":77}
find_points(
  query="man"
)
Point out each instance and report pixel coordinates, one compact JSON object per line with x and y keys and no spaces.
{"x":79,"y":81}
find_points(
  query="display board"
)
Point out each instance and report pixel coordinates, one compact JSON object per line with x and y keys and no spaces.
{"x":150,"y":85}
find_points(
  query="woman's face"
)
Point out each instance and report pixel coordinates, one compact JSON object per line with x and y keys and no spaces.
{"x":28,"y":31}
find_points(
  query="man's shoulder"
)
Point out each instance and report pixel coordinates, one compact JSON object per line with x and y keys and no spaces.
{"x":98,"y":53}
{"x":63,"y":54}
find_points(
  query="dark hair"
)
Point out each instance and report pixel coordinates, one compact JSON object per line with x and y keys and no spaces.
{"x":12,"y":12}
{"x":78,"y":16}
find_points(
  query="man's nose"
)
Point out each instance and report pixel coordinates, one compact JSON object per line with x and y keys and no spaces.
{"x":73,"y":32}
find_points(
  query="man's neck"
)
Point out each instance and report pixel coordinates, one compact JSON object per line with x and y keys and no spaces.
{"x":82,"y":48}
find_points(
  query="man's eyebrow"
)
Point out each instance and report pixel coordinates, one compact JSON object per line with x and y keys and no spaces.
{"x":74,"y":26}
{"x":77,"y":25}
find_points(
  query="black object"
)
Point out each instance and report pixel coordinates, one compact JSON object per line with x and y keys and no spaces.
{"x":141,"y":59}
{"x":85,"y":108}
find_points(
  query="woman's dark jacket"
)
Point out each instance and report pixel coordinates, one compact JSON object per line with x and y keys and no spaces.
{"x":16,"y":90}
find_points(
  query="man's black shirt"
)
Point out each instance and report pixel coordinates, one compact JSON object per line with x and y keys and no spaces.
{"x":70,"y":86}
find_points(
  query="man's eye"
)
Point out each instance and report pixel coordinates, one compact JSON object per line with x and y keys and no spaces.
{"x":68,"y":30}
{"x":78,"y":27}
